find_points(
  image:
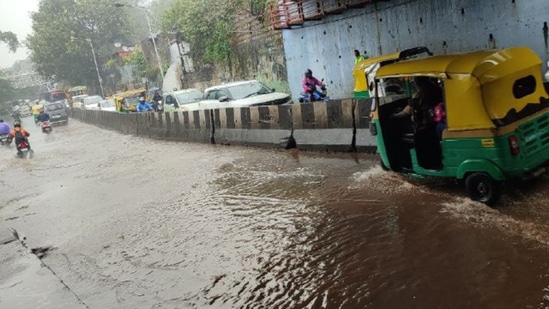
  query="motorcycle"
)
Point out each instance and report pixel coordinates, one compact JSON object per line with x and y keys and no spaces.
{"x":46,"y":127}
{"x":24,"y":150}
{"x":4,"y":141}
{"x":318,"y":95}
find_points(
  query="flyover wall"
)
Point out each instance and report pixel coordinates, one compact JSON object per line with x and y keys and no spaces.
{"x":444,"y":26}
{"x":339,"y":125}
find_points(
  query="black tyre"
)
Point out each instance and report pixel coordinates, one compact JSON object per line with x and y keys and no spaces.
{"x":482,"y":188}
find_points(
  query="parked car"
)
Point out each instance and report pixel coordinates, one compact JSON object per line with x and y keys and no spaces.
{"x":107,"y":105}
{"x":91,"y":102}
{"x":242,"y":94}
{"x":25,"y":111}
{"x":77,"y":100}
{"x":57,"y":112}
{"x":181,"y":100}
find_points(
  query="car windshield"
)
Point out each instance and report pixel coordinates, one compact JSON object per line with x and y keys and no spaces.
{"x":107,"y":103}
{"x":92,"y":100}
{"x":54,"y":107}
{"x":247,"y":90}
{"x":189,"y":97}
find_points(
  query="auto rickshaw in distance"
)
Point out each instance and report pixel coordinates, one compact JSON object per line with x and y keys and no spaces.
{"x":126,"y":102}
{"x":491,"y":125}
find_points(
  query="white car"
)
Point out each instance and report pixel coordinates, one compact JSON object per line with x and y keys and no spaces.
{"x":107,"y":105}
{"x":77,"y":100}
{"x":182,"y":100}
{"x":91,"y":102}
{"x":242,"y":94}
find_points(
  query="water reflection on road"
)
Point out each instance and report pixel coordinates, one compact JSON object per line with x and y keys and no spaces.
{"x":150,"y":224}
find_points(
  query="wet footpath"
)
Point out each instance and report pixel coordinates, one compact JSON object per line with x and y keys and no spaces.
{"x":27,"y":283}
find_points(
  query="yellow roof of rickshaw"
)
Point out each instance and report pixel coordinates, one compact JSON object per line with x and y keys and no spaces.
{"x":480,"y":64}
{"x":367,"y":62}
{"x":129,"y":93}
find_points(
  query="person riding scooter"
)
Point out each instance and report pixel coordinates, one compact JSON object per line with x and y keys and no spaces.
{"x":20,"y":135}
{"x":4,"y":128}
{"x":43,"y":116}
{"x":4,"y":132}
{"x":309,"y":84}
{"x":143,"y":106}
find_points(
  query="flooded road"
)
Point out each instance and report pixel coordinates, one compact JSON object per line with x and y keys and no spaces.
{"x":136,"y":223}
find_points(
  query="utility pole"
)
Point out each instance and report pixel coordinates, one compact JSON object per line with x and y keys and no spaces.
{"x":97,"y":68}
{"x":150,"y":32}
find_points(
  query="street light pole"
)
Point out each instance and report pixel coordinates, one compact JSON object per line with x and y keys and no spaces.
{"x":150,"y":32}
{"x":97,"y":68}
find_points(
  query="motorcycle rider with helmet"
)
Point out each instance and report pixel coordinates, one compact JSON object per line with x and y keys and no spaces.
{"x":20,"y":134}
{"x":309,"y":83}
{"x":143,"y":106}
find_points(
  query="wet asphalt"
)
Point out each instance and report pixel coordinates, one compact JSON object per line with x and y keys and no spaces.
{"x":138,"y":223}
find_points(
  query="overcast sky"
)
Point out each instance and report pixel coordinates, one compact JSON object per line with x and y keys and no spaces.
{"x":15,"y":17}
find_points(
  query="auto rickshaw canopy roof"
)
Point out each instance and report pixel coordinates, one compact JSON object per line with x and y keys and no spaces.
{"x":361,"y":82}
{"x":479,"y":86}
{"x":485,"y":65}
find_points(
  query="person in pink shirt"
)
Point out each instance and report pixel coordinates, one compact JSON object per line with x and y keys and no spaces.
{"x":309,"y":84}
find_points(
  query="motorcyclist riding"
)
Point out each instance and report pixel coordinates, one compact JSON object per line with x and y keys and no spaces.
{"x":309,"y":84}
{"x":156,"y":101}
{"x":43,"y":116}
{"x":4,"y":128}
{"x":20,"y":134}
{"x":16,"y":116}
{"x":143,"y":106}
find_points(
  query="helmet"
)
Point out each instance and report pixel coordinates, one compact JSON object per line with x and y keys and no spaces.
{"x":17,"y":124}
{"x":308,"y":72}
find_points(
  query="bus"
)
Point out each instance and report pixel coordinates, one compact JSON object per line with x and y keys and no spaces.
{"x":53,"y":96}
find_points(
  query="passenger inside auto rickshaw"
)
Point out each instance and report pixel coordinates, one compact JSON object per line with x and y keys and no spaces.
{"x":424,"y":136}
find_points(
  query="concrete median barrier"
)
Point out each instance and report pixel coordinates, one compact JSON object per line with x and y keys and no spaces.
{"x":339,"y":125}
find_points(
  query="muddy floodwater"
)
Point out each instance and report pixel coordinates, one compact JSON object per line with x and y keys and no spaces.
{"x":138,"y":223}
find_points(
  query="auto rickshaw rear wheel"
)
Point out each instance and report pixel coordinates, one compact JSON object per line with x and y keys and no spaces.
{"x":483,"y":188}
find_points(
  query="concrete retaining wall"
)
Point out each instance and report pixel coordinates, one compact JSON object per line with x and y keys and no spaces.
{"x":340,"y":125}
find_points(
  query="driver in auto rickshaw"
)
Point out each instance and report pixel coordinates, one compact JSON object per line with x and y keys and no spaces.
{"x":421,"y":107}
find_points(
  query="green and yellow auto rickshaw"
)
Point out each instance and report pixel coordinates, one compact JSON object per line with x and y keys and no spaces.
{"x":491,"y":124}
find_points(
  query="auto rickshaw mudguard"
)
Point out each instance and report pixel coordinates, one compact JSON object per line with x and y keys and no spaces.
{"x":479,"y":165}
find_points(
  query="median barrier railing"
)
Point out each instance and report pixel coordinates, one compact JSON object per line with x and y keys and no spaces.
{"x":339,"y":125}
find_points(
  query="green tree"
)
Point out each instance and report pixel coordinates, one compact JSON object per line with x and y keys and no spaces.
{"x":59,"y":45}
{"x":208,"y":25}
{"x":7,"y":92}
{"x":11,"y":39}
{"x":137,"y":61}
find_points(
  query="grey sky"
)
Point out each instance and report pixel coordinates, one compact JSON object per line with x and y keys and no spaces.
{"x":15,"y":17}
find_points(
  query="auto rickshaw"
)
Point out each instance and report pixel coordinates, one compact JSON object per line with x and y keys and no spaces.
{"x":127,"y":101}
{"x":493,"y":119}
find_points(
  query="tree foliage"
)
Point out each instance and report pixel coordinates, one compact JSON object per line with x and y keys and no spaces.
{"x":11,"y":39}
{"x":60,"y":46}
{"x":6,"y":90}
{"x":208,"y":25}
